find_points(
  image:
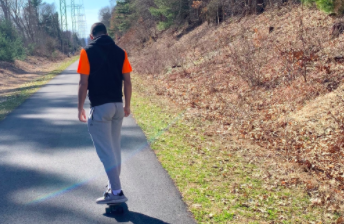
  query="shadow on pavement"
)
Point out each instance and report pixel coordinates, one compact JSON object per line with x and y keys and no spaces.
{"x":15,"y":207}
{"x":50,"y":122}
{"x":134,"y":217}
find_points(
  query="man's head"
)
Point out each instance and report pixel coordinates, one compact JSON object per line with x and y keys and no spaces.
{"x":98,"y":29}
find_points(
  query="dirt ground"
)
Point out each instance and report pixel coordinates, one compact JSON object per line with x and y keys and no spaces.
{"x":13,"y":75}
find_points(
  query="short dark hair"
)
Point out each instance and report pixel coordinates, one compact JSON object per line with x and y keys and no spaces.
{"x":98,"y":29}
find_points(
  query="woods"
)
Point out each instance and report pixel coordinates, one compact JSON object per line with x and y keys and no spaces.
{"x":163,"y":14}
{"x":32,"y":27}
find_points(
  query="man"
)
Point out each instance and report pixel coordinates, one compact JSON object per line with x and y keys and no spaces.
{"x":102,"y":67}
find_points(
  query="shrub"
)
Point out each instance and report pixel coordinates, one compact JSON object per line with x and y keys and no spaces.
{"x":11,"y":46}
{"x":31,"y":48}
{"x":6,"y":53}
{"x":324,"y":5}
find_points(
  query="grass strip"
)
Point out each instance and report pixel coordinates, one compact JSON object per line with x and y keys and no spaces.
{"x":218,"y":185}
{"x":23,"y":92}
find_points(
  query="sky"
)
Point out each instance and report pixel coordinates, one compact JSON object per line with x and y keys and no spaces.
{"x":92,"y":8}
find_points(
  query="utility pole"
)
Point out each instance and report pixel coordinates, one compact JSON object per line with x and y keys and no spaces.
{"x":81,"y":21}
{"x":74,"y":21}
{"x":78,"y":19}
{"x":64,"y":23}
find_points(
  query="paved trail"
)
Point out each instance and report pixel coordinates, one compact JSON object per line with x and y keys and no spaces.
{"x":50,"y":173}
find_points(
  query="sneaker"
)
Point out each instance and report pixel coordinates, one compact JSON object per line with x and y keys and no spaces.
{"x":109,"y":198}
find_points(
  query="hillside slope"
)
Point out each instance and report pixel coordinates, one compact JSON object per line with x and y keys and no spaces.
{"x":272,"y":83}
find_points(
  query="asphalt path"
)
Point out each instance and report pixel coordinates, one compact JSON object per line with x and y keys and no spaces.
{"x":50,"y":172}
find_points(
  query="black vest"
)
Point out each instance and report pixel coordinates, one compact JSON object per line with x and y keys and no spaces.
{"x":106,"y":62}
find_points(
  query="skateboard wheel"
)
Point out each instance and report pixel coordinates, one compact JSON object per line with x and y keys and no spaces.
{"x":116,"y":209}
{"x":108,"y":211}
{"x":120,"y":210}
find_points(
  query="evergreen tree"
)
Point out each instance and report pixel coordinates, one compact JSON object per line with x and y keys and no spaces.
{"x":124,"y":14}
{"x":165,"y":11}
{"x":11,"y":46}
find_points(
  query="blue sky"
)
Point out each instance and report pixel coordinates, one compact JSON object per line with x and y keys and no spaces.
{"x":92,"y":8}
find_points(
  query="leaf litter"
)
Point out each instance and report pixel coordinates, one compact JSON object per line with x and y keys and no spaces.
{"x":264,"y":113}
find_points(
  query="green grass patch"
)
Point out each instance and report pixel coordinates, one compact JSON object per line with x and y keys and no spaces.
{"x":16,"y":98}
{"x":218,"y":185}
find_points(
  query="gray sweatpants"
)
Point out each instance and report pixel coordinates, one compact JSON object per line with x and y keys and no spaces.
{"x":104,"y":126}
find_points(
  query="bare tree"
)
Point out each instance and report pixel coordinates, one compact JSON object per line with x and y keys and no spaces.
{"x":5,"y":6}
{"x":105,"y":15}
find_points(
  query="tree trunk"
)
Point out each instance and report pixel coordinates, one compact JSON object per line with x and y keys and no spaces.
{"x":5,"y":9}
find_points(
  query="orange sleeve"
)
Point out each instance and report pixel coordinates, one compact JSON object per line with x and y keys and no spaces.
{"x":84,"y":65}
{"x":126,"y":65}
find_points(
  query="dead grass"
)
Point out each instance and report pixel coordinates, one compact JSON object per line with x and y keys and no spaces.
{"x":13,"y":75}
{"x":19,"y":90}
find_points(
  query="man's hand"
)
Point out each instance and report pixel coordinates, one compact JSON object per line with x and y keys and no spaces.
{"x":127,"y":93}
{"x":82,"y":115}
{"x":126,"y":111}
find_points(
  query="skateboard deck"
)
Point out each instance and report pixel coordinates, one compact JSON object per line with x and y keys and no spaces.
{"x":114,"y":208}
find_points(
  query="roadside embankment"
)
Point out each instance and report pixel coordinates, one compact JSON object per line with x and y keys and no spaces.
{"x":21,"y":79}
{"x":261,"y":139}
{"x":219,"y":179}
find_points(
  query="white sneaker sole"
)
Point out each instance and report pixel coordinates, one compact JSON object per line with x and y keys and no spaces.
{"x":112,"y":201}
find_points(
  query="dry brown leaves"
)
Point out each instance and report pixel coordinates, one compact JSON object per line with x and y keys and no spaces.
{"x":279,"y":90}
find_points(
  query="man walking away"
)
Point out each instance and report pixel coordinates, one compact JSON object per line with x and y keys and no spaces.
{"x":102,"y":67}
